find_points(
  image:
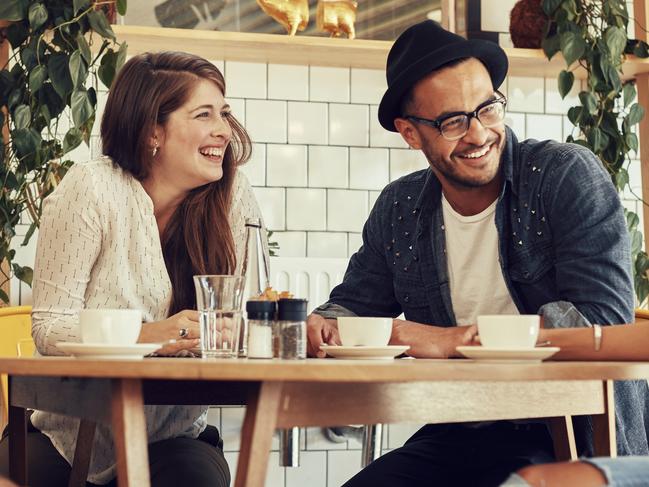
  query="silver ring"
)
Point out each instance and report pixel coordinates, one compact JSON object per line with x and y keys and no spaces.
{"x":183,"y":332}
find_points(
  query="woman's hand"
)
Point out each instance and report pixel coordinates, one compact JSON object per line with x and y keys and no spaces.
{"x":169,"y":329}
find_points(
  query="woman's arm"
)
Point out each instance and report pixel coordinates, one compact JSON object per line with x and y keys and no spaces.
{"x":69,"y":241}
{"x":620,"y":342}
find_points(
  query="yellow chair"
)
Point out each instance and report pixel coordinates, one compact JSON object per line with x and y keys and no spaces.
{"x":642,"y":314}
{"x":15,"y":341}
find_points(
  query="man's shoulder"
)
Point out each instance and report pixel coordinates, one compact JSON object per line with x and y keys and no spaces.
{"x":550,"y":155}
{"x":415,"y":179}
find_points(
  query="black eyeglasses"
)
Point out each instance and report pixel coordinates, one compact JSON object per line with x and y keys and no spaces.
{"x":454,"y":126}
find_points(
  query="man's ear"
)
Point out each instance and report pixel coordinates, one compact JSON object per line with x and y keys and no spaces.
{"x":408,"y":131}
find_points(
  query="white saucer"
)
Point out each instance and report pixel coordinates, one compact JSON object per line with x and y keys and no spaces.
{"x":363,"y":353}
{"x":508,"y":354}
{"x":104,"y":351}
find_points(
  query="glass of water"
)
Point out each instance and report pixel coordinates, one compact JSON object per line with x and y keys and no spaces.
{"x":219,"y":300}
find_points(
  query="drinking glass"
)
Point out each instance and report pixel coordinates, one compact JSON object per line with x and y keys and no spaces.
{"x":219,"y":299}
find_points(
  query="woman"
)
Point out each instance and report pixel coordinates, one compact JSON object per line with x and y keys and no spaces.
{"x":130,"y":230}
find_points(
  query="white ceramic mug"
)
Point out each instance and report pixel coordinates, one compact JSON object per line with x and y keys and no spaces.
{"x":508,"y":331}
{"x":365,"y":331}
{"x":110,"y":326}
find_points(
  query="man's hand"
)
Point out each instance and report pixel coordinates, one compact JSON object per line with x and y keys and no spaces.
{"x":320,"y":331}
{"x":431,"y":341}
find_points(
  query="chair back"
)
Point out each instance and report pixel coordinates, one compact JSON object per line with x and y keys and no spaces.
{"x":15,"y":341}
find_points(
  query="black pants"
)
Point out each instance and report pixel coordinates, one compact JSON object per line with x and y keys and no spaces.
{"x":172,"y":463}
{"x":457,"y":455}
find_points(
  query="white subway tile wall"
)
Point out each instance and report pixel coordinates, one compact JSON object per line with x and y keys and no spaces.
{"x":329,"y":84}
{"x":316,"y":192}
{"x":288,"y":82}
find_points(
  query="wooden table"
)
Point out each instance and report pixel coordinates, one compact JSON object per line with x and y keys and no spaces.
{"x":283,"y":394}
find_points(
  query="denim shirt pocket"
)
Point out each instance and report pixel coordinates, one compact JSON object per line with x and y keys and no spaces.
{"x":530,"y":263}
{"x":413,"y":298}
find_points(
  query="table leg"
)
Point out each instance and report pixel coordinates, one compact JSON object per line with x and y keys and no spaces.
{"x":129,"y":432}
{"x":257,"y":435}
{"x":17,"y":443}
{"x":563,"y":437}
{"x":604,"y":435}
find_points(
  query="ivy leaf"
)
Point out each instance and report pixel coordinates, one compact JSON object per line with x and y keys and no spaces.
{"x":566,"y":79}
{"x":22,"y":116}
{"x":572,"y":45}
{"x":84,"y":47}
{"x":589,"y":101}
{"x":99,"y":24}
{"x":82,"y":109}
{"x":57,"y":65}
{"x":29,"y":234}
{"x":79,"y":4}
{"x":37,"y":77}
{"x":72,"y":140}
{"x":615,"y":39}
{"x":550,"y":46}
{"x":628,"y":94}
{"x":549,"y":6}
{"x":121,"y":7}
{"x":13,"y":10}
{"x":37,"y":15}
{"x":25,"y":274}
{"x":631,"y":140}
{"x":106,"y":71}
{"x":635,"y":114}
{"x":78,"y":69}
{"x":621,"y":179}
{"x":121,"y":56}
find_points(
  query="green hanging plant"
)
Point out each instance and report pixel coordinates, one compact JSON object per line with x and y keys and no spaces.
{"x":592,"y":35}
{"x":56,"y":45}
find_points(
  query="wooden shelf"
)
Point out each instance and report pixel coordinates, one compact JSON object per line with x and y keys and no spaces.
{"x":318,"y":51}
{"x":268,"y":48}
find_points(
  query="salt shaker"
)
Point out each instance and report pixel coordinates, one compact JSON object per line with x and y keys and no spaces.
{"x":255,"y":269}
{"x":260,"y":328}
{"x":292,"y":328}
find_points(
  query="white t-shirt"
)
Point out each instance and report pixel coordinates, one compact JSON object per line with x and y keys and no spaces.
{"x":475,"y":278}
{"x":99,"y":247}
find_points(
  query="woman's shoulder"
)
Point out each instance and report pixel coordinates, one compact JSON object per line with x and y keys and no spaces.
{"x":98,"y":176}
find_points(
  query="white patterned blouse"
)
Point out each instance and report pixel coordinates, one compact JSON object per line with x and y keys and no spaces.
{"x":99,"y":247}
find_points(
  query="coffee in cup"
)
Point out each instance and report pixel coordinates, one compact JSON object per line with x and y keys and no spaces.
{"x":356,"y":331}
{"x":508,"y":331}
{"x":110,"y":326}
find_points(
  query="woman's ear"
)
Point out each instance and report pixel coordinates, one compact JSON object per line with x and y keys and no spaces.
{"x":156,"y":137}
{"x":408,"y":131}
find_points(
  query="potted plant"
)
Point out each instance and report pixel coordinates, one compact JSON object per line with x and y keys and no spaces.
{"x":56,"y":46}
{"x":593,"y":35}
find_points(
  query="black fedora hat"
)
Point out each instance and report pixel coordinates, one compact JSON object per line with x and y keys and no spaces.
{"x":425,"y":47}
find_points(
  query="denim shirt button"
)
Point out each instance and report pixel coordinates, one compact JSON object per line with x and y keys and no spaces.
{"x":526,"y":274}
{"x":406,"y":234}
{"x":405,"y":269}
{"x":397,"y":254}
{"x":406,"y":298}
{"x":415,"y":258}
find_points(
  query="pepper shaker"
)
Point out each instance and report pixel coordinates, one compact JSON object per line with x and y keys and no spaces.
{"x":292,"y":328}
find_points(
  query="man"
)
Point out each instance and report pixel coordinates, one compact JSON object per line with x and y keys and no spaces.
{"x":493,"y":226}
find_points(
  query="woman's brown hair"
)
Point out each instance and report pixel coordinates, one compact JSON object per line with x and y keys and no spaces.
{"x":198,"y":238}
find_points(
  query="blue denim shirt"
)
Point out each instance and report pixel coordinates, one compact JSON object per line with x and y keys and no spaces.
{"x":563,"y":250}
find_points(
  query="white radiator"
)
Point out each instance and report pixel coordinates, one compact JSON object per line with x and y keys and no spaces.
{"x":307,"y":277}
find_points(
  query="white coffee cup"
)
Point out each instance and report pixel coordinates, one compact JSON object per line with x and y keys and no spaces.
{"x":110,"y":326}
{"x":356,"y":331}
{"x":508,"y":331}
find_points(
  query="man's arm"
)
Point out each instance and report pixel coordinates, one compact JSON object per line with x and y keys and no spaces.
{"x":591,"y":244}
